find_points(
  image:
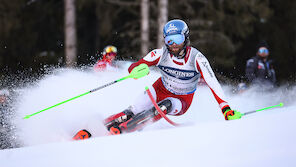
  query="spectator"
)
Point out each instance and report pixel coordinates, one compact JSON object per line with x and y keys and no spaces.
{"x":259,"y":69}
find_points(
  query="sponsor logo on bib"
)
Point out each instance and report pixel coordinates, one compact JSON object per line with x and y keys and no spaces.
{"x":177,"y":73}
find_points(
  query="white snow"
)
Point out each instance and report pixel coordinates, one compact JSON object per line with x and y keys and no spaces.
{"x":266,"y":138}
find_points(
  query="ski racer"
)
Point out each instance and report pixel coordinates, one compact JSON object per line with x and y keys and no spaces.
{"x":109,"y":54}
{"x":181,"y":67}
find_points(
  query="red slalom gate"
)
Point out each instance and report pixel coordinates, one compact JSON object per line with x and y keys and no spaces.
{"x":158,"y":109}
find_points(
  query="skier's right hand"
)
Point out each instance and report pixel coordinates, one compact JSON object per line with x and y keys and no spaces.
{"x":139,"y":71}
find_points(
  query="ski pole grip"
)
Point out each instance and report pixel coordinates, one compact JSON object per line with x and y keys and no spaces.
{"x":139,"y":71}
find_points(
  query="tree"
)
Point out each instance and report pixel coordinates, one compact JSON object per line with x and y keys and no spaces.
{"x":32,"y":33}
{"x":70,"y":33}
{"x":144,"y":27}
{"x":162,"y":19}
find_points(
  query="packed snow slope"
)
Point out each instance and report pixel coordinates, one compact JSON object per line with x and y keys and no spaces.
{"x":266,"y":138}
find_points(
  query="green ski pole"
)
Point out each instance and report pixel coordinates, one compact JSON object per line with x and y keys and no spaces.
{"x":266,"y":108}
{"x":138,"y":72}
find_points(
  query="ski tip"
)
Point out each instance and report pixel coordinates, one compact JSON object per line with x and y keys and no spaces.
{"x":81,"y":135}
{"x":281,"y":104}
{"x":146,"y":88}
{"x":114,"y":131}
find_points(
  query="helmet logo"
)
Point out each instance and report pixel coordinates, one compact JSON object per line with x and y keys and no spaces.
{"x":171,"y":28}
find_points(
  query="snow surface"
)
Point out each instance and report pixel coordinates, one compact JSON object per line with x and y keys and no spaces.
{"x":266,"y":138}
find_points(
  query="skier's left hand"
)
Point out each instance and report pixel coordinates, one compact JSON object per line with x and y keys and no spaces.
{"x":232,"y":114}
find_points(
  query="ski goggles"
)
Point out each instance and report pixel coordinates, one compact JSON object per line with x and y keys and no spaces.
{"x":263,"y":50}
{"x":176,"y":38}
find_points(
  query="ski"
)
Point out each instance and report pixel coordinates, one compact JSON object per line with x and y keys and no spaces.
{"x":81,"y":135}
{"x":141,"y":119}
{"x":137,"y":122}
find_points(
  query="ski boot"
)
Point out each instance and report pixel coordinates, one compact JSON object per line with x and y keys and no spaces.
{"x":115,"y":120}
{"x":81,"y":135}
{"x":141,"y":119}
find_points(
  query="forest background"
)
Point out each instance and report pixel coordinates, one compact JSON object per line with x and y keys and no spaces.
{"x":33,"y":40}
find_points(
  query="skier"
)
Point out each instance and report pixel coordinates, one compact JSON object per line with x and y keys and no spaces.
{"x":4,"y":93}
{"x":109,"y":54}
{"x":6,"y":114}
{"x":259,"y":69}
{"x":181,"y":67}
